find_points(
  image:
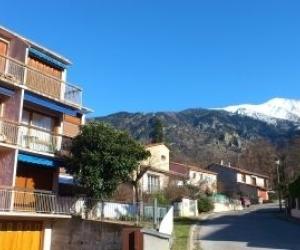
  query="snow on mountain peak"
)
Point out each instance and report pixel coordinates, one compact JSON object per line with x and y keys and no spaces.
{"x":270,"y":111}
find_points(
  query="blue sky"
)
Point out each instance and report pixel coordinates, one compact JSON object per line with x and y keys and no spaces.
{"x":168,"y":55}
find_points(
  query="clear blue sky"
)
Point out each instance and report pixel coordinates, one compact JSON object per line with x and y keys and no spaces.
{"x":168,"y":55}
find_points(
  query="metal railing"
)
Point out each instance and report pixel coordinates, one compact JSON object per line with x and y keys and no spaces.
{"x":11,"y":70}
{"x":38,"y":139}
{"x":38,"y":202}
{"x":8,"y":132}
{"x":34,"y":202}
{"x":29,"y":137}
{"x":40,"y":82}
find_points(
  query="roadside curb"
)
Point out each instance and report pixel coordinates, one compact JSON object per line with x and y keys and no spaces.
{"x":192,"y":231}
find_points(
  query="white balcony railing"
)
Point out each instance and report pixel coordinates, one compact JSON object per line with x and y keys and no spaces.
{"x":8,"y":132}
{"x":34,"y":202}
{"x":38,"y":140}
{"x":37,"y":81}
{"x":29,"y":137}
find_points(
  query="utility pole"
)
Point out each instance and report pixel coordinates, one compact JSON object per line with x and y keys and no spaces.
{"x":278,"y":185}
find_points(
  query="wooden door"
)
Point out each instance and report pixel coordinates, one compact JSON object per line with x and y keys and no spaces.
{"x":132,"y":239}
{"x":28,"y":180}
{"x":20,"y":235}
{"x":3,"y":51}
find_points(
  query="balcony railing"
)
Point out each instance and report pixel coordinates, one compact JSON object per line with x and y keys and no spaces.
{"x":39,"y":82}
{"x":34,"y":202}
{"x":38,"y":202}
{"x":8,"y":132}
{"x":38,"y":139}
{"x":29,"y":137}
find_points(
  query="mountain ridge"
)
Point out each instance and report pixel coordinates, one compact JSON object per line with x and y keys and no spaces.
{"x":202,"y":136}
{"x":269,"y":111}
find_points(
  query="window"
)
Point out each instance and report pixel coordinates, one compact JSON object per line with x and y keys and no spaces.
{"x":243,"y":177}
{"x":163,"y":157}
{"x":253,"y":180}
{"x":153,"y":183}
{"x":37,"y":120}
{"x":36,"y":134}
{"x":194,"y":175}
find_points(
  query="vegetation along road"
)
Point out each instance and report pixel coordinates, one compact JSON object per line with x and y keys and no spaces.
{"x":261,"y":227}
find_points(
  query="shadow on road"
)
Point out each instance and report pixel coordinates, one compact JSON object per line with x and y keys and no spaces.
{"x":262,"y":228}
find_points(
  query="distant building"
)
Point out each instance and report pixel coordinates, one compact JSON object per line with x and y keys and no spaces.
{"x":159,"y":173}
{"x":204,"y":179}
{"x":239,"y":182}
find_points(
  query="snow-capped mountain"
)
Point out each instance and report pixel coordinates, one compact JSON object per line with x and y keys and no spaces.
{"x":270,"y":111}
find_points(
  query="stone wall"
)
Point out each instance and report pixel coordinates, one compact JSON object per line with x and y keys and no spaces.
{"x":78,"y":234}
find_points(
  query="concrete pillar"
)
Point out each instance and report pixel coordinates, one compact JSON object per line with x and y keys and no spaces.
{"x":47,"y":236}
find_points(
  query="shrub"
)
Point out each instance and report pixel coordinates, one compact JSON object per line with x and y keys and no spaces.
{"x":205,"y":204}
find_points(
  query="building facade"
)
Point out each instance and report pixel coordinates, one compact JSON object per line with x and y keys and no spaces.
{"x":40,"y":112}
{"x":204,"y":179}
{"x":159,"y":175}
{"x":239,"y":182}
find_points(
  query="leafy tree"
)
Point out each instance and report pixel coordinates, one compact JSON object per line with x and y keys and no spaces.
{"x":156,"y":134}
{"x":102,"y":157}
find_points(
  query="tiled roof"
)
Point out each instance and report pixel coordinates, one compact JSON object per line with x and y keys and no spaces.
{"x":183,"y":168}
{"x":240,"y":170}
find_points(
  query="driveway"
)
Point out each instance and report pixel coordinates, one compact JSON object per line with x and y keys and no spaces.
{"x":261,"y":227}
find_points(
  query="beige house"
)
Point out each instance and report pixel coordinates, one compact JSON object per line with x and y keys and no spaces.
{"x":158,"y":175}
{"x":155,"y":179}
{"x":196,"y":176}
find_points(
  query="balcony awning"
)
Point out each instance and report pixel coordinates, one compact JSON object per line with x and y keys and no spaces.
{"x":55,"y":106}
{"x":40,"y":161}
{"x":46,"y":58}
{"x":6,"y":91}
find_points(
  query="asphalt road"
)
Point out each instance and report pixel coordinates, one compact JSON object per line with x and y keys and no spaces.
{"x":261,"y":227}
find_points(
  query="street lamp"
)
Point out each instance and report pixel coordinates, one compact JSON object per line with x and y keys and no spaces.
{"x":278,"y":184}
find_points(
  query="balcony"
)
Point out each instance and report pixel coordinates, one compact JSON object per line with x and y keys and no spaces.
{"x":28,"y":137}
{"x":34,"y":202}
{"x":17,"y":73}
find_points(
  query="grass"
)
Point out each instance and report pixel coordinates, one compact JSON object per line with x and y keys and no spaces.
{"x":181,"y":230}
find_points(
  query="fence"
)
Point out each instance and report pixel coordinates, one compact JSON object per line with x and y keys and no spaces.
{"x":120,"y":211}
{"x":49,"y":203}
{"x":222,"y":203}
{"x":186,"y":208}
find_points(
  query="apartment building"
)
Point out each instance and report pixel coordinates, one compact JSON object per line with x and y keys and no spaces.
{"x":239,"y":182}
{"x":40,"y":112}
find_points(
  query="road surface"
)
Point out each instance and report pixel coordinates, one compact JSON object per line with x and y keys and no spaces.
{"x":261,"y":227}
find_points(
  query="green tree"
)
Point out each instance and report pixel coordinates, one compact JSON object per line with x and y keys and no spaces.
{"x":156,"y":133}
{"x":102,"y":157}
